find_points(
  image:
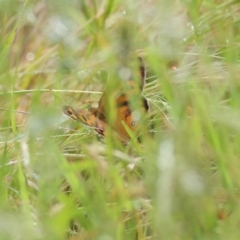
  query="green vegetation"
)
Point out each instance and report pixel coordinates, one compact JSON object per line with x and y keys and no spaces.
{"x":60,"y":180}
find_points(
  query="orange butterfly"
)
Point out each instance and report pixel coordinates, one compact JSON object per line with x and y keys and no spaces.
{"x":97,"y":117}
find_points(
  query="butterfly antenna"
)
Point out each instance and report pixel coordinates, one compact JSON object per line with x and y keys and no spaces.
{"x":142,"y":71}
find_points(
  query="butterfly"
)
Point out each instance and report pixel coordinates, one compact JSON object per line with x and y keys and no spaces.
{"x":124,"y":119}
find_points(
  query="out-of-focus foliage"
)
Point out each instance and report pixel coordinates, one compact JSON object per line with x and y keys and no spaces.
{"x":60,"y":180}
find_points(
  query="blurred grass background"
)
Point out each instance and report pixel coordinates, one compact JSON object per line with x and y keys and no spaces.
{"x":59,"y":180}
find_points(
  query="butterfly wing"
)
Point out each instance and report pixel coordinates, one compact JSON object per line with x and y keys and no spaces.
{"x":123,"y":108}
{"x":88,"y":118}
